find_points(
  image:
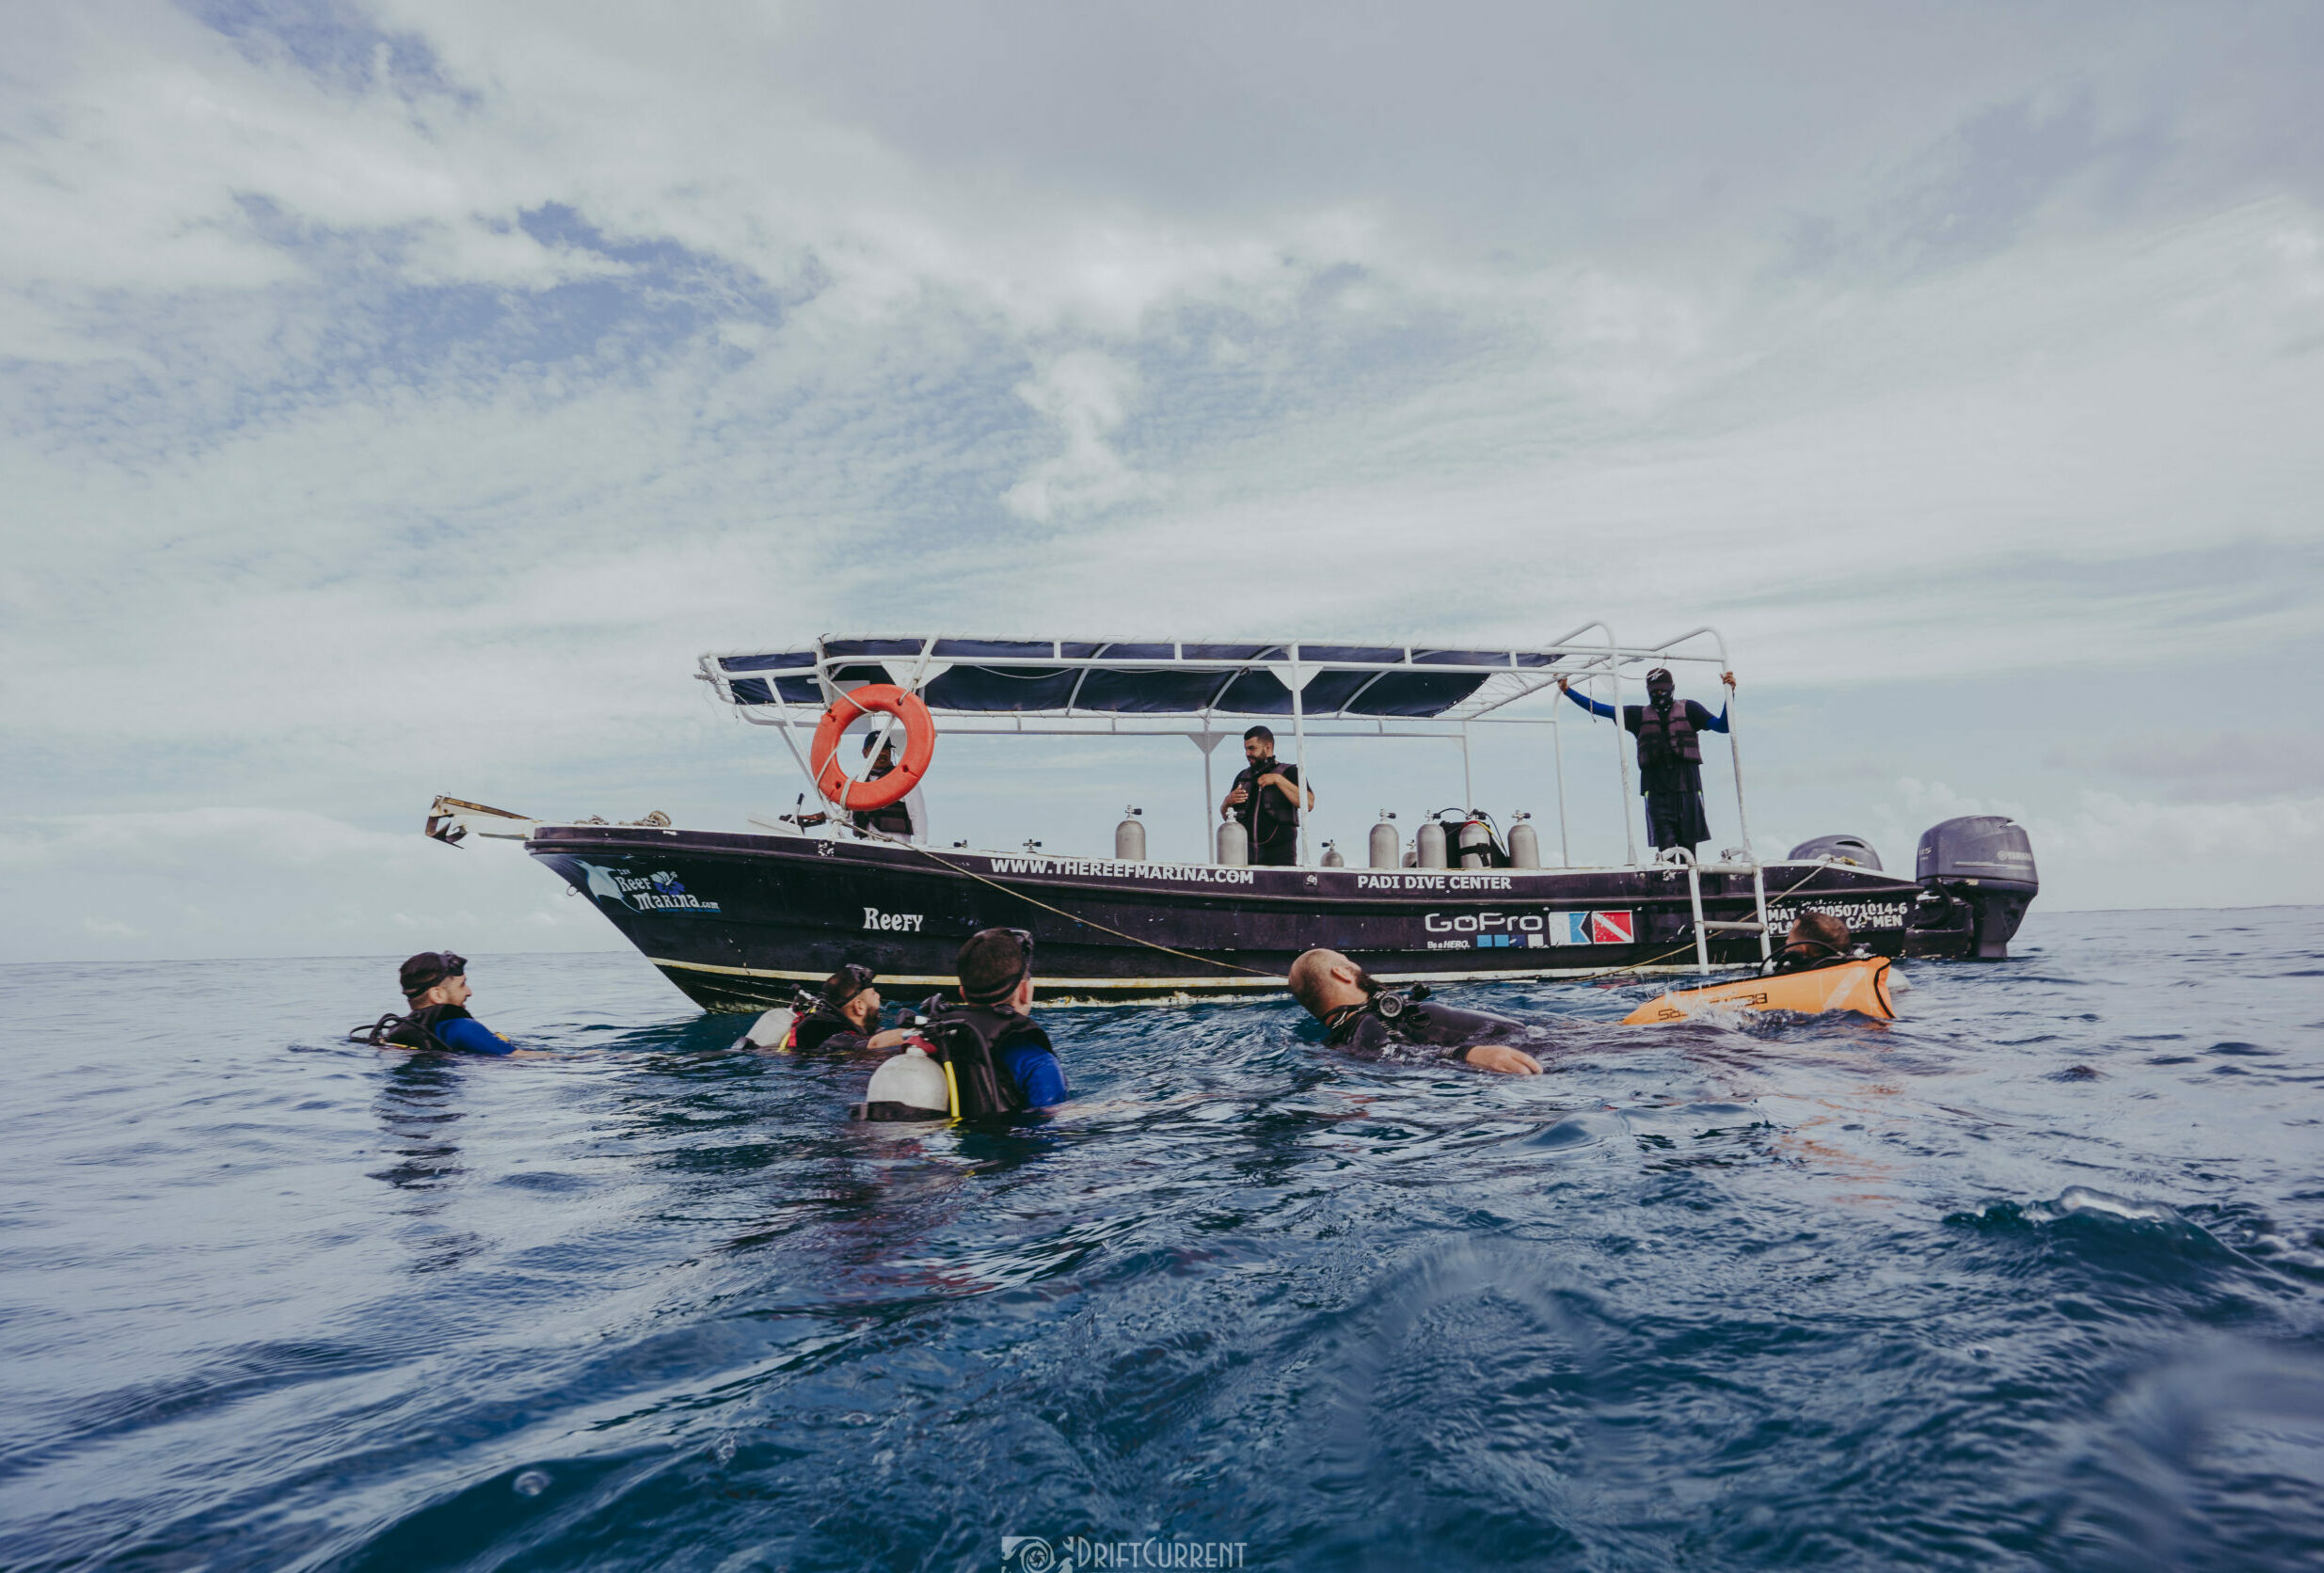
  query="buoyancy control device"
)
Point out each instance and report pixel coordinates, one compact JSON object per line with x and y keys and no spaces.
{"x":960,"y":1040}
{"x":415,"y":1031}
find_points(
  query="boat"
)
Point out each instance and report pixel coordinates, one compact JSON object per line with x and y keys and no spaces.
{"x":740,"y":919}
{"x":1860,"y":986}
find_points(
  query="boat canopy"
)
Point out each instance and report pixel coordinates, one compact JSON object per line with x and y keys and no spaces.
{"x":1175,"y":679}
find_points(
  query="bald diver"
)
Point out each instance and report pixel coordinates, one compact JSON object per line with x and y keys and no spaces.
{"x":1369,"y":1020}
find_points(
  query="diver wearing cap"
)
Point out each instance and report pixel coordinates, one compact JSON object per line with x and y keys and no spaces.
{"x":436,"y":995}
{"x":1670,"y":756}
{"x":1373,"y":1021}
{"x":845,"y":1018}
{"x":1817,"y":940}
{"x":981,"y":1055}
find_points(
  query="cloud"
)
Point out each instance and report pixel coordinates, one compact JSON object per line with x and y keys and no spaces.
{"x":397,"y":397}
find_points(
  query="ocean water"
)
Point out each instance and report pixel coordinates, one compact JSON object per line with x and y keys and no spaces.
{"x":2030,"y":1278}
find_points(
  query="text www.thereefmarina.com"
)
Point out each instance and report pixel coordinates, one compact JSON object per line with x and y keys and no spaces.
{"x":1193,"y":873}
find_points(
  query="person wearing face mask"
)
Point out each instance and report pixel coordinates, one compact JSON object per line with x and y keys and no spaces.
{"x":1670,"y":756}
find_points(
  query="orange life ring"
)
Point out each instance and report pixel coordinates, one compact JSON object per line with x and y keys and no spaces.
{"x":919,"y":747}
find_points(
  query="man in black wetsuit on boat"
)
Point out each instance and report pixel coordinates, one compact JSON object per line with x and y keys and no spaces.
{"x":1373,"y":1021}
{"x":1670,"y":756}
{"x":1266,"y":797}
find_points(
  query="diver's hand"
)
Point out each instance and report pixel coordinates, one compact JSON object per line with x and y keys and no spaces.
{"x":1238,"y":797}
{"x":1561,"y":685}
{"x":894,"y":1037}
{"x":1727,"y":677}
{"x":1500,"y":1057}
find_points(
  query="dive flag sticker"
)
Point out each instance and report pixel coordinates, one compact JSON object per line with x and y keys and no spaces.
{"x":1610,"y":928}
{"x":1569,"y":928}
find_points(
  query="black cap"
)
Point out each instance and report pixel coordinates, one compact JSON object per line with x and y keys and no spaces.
{"x":1660,"y":677}
{"x":429,"y":968}
{"x":871,"y":737}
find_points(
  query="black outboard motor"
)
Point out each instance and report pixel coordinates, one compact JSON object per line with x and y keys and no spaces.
{"x":1840,"y":848}
{"x":1984,"y":861}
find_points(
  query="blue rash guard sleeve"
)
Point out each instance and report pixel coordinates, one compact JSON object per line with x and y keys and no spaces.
{"x":1036,"y":1070}
{"x":1703,"y":720}
{"x":471,"y":1035}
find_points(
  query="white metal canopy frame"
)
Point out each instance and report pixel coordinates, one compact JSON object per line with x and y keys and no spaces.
{"x":1209,"y":691}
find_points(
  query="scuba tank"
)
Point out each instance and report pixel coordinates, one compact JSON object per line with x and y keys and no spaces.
{"x":778,"y":1029}
{"x":911,"y":1086}
{"x":1428,"y":846}
{"x":1387,"y":845}
{"x":1525,"y":845}
{"x":958,"y":1041}
{"x":1234,"y":845}
{"x":1331,"y":856}
{"x":1130,"y":838}
{"x":1476,"y":845}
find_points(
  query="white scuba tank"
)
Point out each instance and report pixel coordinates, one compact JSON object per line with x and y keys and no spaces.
{"x":1476,"y":844}
{"x":1387,"y":847}
{"x":1130,"y":838}
{"x":1428,"y":846}
{"x":914,"y":1080}
{"x":1525,"y":844}
{"x":1234,"y":845}
{"x":770,"y":1031}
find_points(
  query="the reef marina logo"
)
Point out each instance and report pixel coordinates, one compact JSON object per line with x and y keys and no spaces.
{"x":658,"y":891}
{"x":1030,"y":1554}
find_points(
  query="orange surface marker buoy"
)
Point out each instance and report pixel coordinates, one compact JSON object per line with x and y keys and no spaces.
{"x":1858,"y":986}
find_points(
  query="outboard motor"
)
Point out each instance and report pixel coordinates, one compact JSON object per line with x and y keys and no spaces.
{"x":1525,"y":844}
{"x":1130,"y":838}
{"x":1984,"y":861}
{"x":1387,"y":847}
{"x":1840,"y":848}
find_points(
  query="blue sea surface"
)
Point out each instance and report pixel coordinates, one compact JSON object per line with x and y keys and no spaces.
{"x":2030,"y":1278}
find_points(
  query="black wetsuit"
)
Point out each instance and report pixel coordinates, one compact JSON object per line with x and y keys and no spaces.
{"x":1272,"y":823}
{"x":1442,"y":1031}
{"x":823,"y":1029}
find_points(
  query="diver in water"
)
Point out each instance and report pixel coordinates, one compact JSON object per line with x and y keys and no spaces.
{"x":980,"y":1056}
{"x":1371,"y":1020}
{"x":436,"y":995}
{"x":1817,"y":940}
{"x":845,"y":1016}
{"x":1670,"y":756}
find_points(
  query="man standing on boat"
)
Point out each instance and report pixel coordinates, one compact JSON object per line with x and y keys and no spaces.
{"x":1266,"y":797}
{"x":906,"y":820}
{"x":1670,"y":756}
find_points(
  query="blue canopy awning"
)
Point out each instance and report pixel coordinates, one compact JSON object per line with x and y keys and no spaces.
{"x":1018,"y":676}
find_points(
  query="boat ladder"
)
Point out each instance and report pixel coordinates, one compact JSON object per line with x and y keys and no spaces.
{"x":1705,"y":927}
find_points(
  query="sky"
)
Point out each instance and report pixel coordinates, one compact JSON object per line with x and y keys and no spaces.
{"x":396,"y":399}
